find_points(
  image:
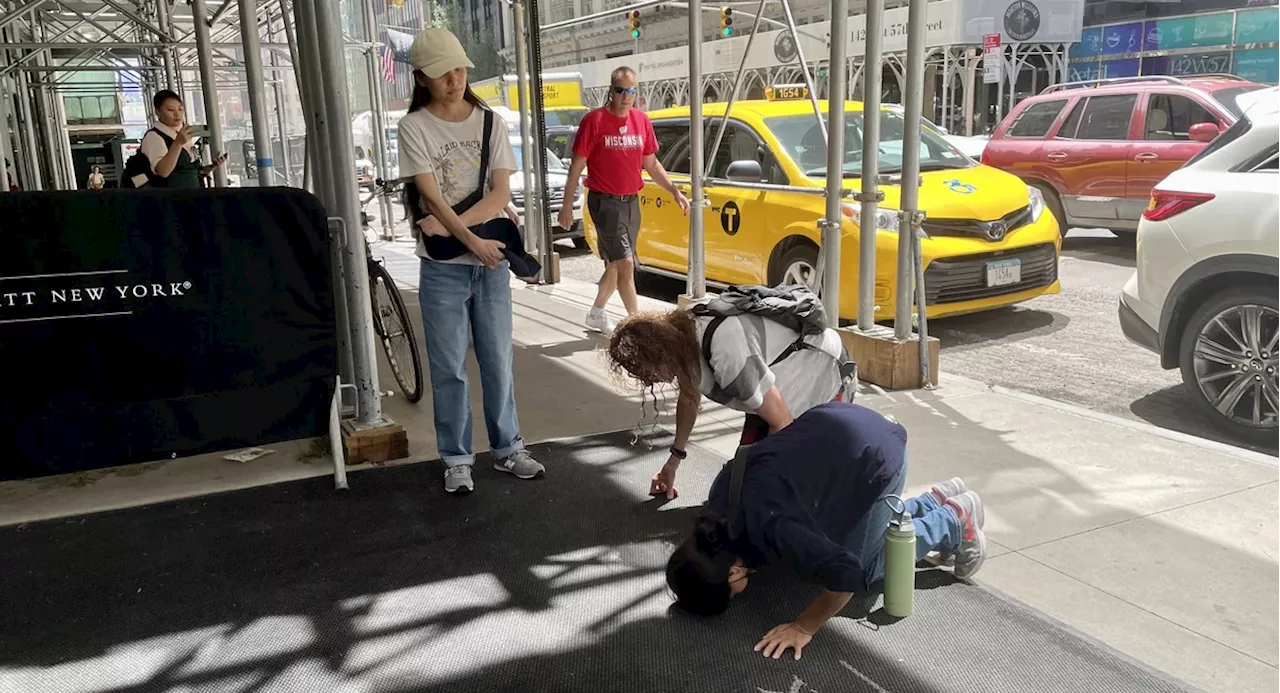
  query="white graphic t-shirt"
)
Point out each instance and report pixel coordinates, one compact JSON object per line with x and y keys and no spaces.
{"x":451,"y":152}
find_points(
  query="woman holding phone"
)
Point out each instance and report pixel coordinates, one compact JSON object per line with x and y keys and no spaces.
{"x":465,"y":298}
{"x":170,"y":146}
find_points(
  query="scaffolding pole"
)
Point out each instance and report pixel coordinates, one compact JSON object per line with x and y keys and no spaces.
{"x":162,"y":15}
{"x":833,"y":226}
{"x":208,"y":86}
{"x":333,"y":71}
{"x":282,"y":114}
{"x":696,"y":285}
{"x":522,"y":104}
{"x":26,"y":112}
{"x":49,"y":117}
{"x":804,"y":66}
{"x":870,"y":198}
{"x":378,"y":113}
{"x":317,"y":121}
{"x":910,"y":206}
{"x":257,"y":92}
{"x":6,"y":143}
{"x":16,"y":13}
{"x":733,"y":95}
{"x":290,"y":36}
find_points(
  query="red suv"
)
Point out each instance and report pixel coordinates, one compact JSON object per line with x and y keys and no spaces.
{"x":1097,"y":148}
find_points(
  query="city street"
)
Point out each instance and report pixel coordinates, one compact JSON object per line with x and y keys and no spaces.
{"x":1067,"y":347}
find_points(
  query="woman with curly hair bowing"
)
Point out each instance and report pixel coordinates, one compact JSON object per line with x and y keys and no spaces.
{"x":752,"y":364}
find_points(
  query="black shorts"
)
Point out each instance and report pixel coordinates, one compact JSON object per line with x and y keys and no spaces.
{"x":617,"y":222}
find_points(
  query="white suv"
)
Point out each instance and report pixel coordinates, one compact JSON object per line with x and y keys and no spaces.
{"x":1204,"y":293}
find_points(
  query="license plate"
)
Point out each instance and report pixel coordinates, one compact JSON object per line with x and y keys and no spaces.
{"x":1004,"y":272}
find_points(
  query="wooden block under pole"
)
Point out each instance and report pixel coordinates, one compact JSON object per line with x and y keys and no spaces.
{"x":886,"y":361}
{"x":374,"y":444}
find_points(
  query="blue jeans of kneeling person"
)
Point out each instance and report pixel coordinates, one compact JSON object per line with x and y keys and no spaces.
{"x":937,"y":528}
{"x":464,"y":304}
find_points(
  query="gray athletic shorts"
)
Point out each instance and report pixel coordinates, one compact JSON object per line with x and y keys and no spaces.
{"x":617,"y":222}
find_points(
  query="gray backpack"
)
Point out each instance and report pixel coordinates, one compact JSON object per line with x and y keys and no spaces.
{"x":792,"y":305}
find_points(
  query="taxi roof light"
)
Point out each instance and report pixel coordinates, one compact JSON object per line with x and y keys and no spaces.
{"x":786,"y":92}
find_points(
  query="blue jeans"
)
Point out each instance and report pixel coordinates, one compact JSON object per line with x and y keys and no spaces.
{"x":461,"y":304}
{"x":937,"y":528}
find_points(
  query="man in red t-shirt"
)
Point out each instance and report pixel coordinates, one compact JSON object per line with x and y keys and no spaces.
{"x":614,"y":144}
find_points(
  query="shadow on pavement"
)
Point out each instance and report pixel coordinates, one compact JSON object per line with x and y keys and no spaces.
{"x":1113,"y":250}
{"x":523,"y":586}
{"x":1006,"y":325}
{"x":1169,"y":409}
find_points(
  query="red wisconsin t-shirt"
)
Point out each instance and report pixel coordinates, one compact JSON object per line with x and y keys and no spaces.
{"x":615,"y":149}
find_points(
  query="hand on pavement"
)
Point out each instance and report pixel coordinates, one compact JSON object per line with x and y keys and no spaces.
{"x":664,"y":482}
{"x":778,"y":640}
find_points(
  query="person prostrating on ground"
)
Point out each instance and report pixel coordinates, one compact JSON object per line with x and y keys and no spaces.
{"x":812,"y":498}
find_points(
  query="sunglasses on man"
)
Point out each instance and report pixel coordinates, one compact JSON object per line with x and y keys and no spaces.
{"x":629,"y":91}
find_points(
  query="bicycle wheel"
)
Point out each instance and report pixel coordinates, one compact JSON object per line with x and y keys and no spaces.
{"x":392,"y":325}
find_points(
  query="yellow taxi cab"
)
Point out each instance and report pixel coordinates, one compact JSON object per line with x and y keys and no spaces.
{"x":991,"y":241}
{"x":567,"y":116}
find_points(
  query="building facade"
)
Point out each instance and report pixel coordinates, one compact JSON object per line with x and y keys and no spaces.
{"x":1127,"y":39}
{"x":660,"y":27}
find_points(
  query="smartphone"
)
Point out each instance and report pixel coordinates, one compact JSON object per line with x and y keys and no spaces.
{"x":200,"y":130}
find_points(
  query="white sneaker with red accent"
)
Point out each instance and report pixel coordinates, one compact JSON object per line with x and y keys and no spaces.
{"x":972,"y":552}
{"x":954,"y":487}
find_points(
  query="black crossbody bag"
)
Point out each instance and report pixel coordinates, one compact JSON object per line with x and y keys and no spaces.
{"x":448,"y":247}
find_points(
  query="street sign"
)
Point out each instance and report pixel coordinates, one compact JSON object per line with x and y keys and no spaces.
{"x":992,"y":58}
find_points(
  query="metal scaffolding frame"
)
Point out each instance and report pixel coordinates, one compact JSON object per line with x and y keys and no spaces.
{"x":909,"y":274}
{"x":155,"y":44}
{"x":162,"y":43}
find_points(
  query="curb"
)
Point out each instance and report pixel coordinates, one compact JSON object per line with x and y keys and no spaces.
{"x":1243,"y":454}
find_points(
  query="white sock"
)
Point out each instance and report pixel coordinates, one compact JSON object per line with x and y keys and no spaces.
{"x":596,"y":312}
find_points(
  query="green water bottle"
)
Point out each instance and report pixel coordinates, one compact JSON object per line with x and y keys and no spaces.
{"x":899,"y":561}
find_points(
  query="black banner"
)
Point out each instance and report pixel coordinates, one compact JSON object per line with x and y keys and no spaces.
{"x":139,"y":325}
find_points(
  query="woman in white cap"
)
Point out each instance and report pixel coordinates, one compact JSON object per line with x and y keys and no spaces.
{"x":466,"y":298}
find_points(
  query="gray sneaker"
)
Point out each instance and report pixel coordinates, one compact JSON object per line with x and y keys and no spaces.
{"x":458,"y":479}
{"x":948,"y":489}
{"x":521,"y":465}
{"x":955,"y":489}
{"x":973,"y":543}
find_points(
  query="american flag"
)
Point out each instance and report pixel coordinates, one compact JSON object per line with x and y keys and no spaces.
{"x":388,"y":62}
{"x":400,"y":25}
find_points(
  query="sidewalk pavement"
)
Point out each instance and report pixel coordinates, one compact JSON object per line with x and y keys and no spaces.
{"x":1161,"y":545}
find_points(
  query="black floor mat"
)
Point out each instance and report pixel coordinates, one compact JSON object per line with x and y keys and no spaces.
{"x":551,"y":585}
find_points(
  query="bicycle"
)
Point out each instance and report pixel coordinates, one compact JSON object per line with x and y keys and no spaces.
{"x":391,"y":321}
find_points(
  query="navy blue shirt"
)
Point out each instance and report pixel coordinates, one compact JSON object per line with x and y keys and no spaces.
{"x":807,"y":486}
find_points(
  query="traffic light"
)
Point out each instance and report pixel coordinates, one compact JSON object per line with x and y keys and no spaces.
{"x":726,"y":21}
{"x":633,"y":22}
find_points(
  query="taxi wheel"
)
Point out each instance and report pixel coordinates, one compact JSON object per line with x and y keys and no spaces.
{"x":797,"y":266}
{"x":1054,"y":203}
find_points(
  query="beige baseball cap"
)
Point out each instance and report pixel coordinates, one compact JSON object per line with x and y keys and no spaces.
{"x":436,"y":51}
